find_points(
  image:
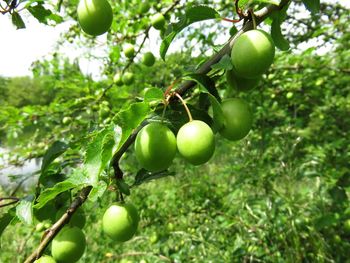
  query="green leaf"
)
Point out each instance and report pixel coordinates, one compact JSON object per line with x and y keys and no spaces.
{"x":56,"y":149}
{"x":153,"y":95}
{"x":24,"y":210}
{"x":218,"y":115}
{"x":98,"y":191}
{"x":271,"y":2}
{"x":17,"y":21}
{"x":312,"y":5}
{"x":50,"y":193}
{"x":192,"y":15}
{"x":224,"y":63}
{"x":123,"y":187}
{"x":144,"y":176}
{"x":6,"y":219}
{"x":43,"y":15}
{"x":204,"y":81}
{"x":277,"y":36}
{"x":98,"y":154}
{"x":130,"y":118}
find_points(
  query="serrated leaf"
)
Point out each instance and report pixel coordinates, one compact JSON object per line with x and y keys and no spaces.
{"x":224,"y":63}
{"x":43,"y":15}
{"x":218,"y":115}
{"x":277,"y":36}
{"x":312,"y":5}
{"x":50,"y":193}
{"x":6,"y":219}
{"x":56,"y":149}
{"x":24,"y":210}
{"x":153,"y":95}
{"x":204,"y":81}
{"x":144,"y":176}
{"x":98,"y":153}
{"x":17,"y":21}
{"x":192,"y":15}
{"x":130,"y":118}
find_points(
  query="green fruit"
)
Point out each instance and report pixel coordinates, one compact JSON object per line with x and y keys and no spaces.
{"x":95,"y":16}
{"x":117,"y":79}
{"x":129,"y":50}
{"x":196,"y":142}
{"x":238,"y":119}
{"x":128,"y":78}
{"x":241,"y":84}
{"x":45,"y":259}
{"x":148,"y":59}
{"x":289,"y":95}
{"x":252,"y":53}
{"x":69,"y":245}
{"x":155,"y":147}
{"x":78,"y":218}
{"x":120,"y":221}
{"x":347,"y":226}
{"x":144,"y":7}
{"x":158,"y":21}
{"x":66,"y":120}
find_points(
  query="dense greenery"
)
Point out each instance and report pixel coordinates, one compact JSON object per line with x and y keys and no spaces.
{"x":279,"y":195}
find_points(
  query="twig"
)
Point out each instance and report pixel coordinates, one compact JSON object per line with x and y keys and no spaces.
{"x":12,"y":198}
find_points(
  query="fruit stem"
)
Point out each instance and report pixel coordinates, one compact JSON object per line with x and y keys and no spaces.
{"x":164,"y":109}
{"x":253,"y":17}
{"x":184,"y":103}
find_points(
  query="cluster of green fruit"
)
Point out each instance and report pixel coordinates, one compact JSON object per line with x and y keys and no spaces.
{"x":156,"y":145}
{"x":119,"y":222}
{"x":95,"y":18}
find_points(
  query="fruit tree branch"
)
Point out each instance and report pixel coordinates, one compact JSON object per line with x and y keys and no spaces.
{"x":55,"y":228}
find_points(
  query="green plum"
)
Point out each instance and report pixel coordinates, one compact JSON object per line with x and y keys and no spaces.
{"x":128,"y":78}
{"x":158,"y":21}
{"x":155,"y":147}
{"x":118,"y":80}
{"x":252,"y":53}
{"x":120,"y":221}
{"x":148,"y":59}
{"x":95,"y":16}
{"x":144,"y":7}
{"x":129,"y":50}
{"x":69,"y":245}
{"x":238,"y":119}
{"x":196,"y":142}
{"x":45,"y":259}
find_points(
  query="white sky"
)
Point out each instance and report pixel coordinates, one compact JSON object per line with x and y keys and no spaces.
{"x":19,"y":48}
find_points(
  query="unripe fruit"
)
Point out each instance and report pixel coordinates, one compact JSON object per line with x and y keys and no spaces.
{"x":129,"y":50}
{"x":196,"y":142}
{"x":241,"y":84}
{"x":238,"y":119}
{"x":120,"y":221}
{"x":68,"y":245}
{"x":77,"y":219}
{"x":45,"y":259}
{"x":347,"y":226}
{"x":144,"y":7}
{"x":66,"y":120}
{"x":155,"y":147}
{"x":95,"y":16}
{"x":252,"y":53}
{"x":117,"y":79}
{"x":128,"y":78}
{"x":148,"y":59}
{"x":158,"y":21}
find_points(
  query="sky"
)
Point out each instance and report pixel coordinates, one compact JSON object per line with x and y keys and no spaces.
{"x":20,"y":48}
